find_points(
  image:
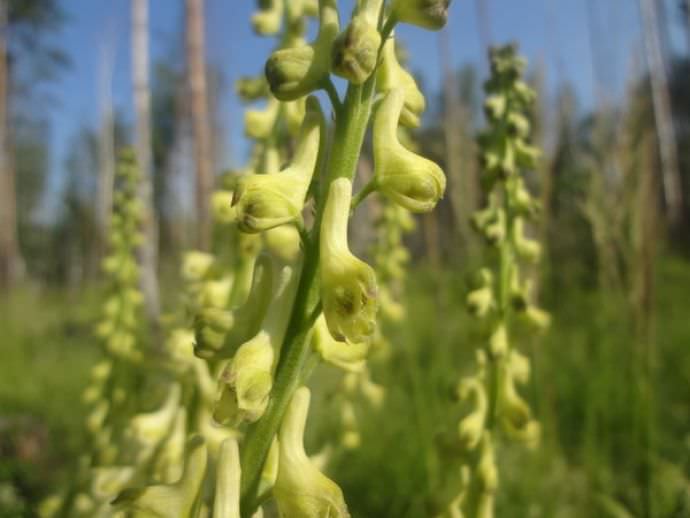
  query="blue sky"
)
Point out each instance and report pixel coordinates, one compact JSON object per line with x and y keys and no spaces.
{"x":551,"y":32}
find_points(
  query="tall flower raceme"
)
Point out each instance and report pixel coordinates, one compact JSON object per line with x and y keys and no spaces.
{"x":305,"y":295}
{"x":500,"y":292}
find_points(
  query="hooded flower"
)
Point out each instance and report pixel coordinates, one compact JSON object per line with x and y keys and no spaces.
{"x":348,"y":285}
{"x":408,"y":179}
{"x":264,"y":201}
{"x":301,"y":490}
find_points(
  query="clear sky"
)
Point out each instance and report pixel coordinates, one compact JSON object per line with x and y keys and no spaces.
{"x":554,"y":33}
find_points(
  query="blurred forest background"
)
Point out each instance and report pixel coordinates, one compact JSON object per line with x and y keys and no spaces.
{"x":612,"y":377}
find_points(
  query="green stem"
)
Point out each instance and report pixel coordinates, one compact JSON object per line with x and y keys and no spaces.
{"x":370,"y":187}
{"x":349,"y":135}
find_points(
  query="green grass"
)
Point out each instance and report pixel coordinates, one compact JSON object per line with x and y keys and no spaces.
{"x":585,"y":389}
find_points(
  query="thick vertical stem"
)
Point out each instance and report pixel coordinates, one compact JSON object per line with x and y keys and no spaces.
{"x":199,"y":107}
{"x":351,"y":124}
{"x":142,"y":102}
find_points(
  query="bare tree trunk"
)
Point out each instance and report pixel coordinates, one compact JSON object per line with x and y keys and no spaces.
{"x":461,"y":184}
{"x":10,"y":259}
{"x":140,"y":76}
{"x":199,"y":107}
{"x":662,"y":112}
{"x":483,"y":28}
{"x":106,"y":143}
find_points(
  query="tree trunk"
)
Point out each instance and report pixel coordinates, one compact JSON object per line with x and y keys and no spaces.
{"x":140,"y":76}
{"x":462,"y":185}
{"x":199,"y":108}
{"x":10,"y":260}
{"x":662,"y":112}
{"x":106,"y":144}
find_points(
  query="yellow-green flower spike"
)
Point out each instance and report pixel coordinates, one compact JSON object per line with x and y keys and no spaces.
{"x":428,"y":14}
{"x":297,"y":71}
{"x":390,"y":75}
{"x":264,"y":201}
{"x":301,"y":490}
{"x":348,"y":285}
{"x":178,"y":500}
{"x":408,"y":179}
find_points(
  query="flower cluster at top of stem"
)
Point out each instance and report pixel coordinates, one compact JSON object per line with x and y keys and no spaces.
{"x":500,"y":295}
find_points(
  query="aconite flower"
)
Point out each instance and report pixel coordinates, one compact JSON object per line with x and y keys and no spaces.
{"x":301,"y":490}
{"x":356,"y":49}
{"x":294,"y":72}
{"x":246,"y":382}
{"x":428,"y":14}
{"x":348,"y":285}
{"x":149,"y":428}
{"x":408,"y":179}
{"x":390,"y":75}
{"x":264,"y":201}
{"x":162,"y":500}
{"x":284,"y":242}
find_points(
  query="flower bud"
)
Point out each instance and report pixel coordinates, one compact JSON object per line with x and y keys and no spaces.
{"x":349,"y":357}
{"x":251,"y":88}
{"x":525,"y":248}
{"x":471,"y":427}
{"x":264,"y":201}
{"x":348,"y":285}
{"x":495,"y":106}
{"x":259,"y":124}
{"x":514,"y":411}
{"x":537,"y":318}
{"x":296,"y":71}
{"x":356,"y":50}
{"x":268,"y":20}
{"x":408,"y":179}
{"x":301,"y":490}
{"x":284,"y":242}
{"x":178,"y":499}
{"x":428,"y":14}
{"x":148,"y":429}
{"x":226,"y":504}
{"x":391,"y":75}
{"x":498,"y":341}
{"x":221,"y":205}
{"x":480,"y":302}
{"x":196,"y":265}
{"x":170,"y":459}
{"x":246,"y":382}
{"x":487,"y":472}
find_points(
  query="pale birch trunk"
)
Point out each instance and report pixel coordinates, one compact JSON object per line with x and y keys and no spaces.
{"x":106,"y":143}
{"x":661,"y":100}
{"x":199,"y":109}
{"x":142,"y":101}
